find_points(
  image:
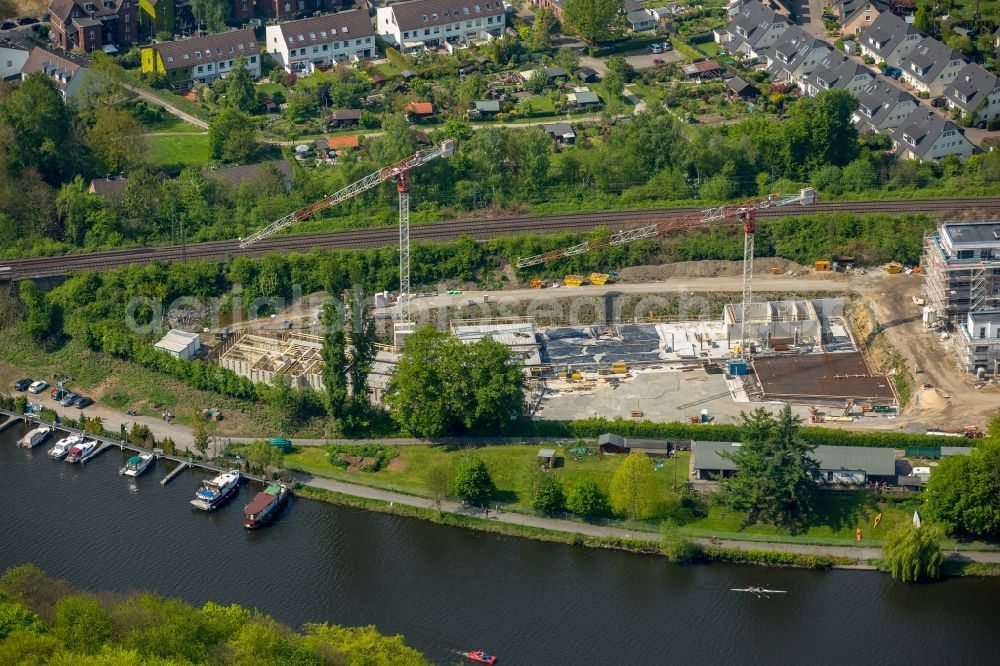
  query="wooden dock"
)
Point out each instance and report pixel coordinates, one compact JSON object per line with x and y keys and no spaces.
{"x":169,"y":477}
{"x":11,"y":420}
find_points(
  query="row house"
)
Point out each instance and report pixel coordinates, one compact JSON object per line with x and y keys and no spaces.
{"x":889,"y":40}
{"x":796,"y":54}
{"x":93,"y":25}
{"x":202,"y":59}
{"x":12,"y":59}
{"x":926,"y":135}
{"x":975,"y":92}
{"x":753,"y":29}
{"x":882,"y":106}
{"x":931,"y":66}
{"x":857,"y":15}
{"x":321,"y":41}
{"x":283,"y":9}
{"x":67,"y":70}
{"x":418,"y":24}
{"x":836,"y":71}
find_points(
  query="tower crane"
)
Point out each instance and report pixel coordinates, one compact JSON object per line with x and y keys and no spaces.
{"x":744,"y":211}
{"x":397,"y":171}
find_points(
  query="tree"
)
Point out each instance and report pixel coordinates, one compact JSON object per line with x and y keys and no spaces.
{"x":210,"y":13}
{"x":42,"y":320}
{"x":437,"y":481}
{"x":473,"y":482}
{"x":913,"y":553}
{"x":587,"y":498}
{"x":568,"y":59}
{"x":334,"y":372}
{"x":775,"y":478}
{"x":549,"y":497}
{"x":40,"y":127}
{"x":82,"y":623}
{"x":362,"y":349}
{"x":542,"y":28}
{"x":923,"y":20}
{"x":961,"y":494}
{"x":240,"y":92}
{"x":116,"y":141}
{"x":75,"y":207}
{"x":633,"y":487}
{"x":676,"y":547}
{"x":494,"y":380}
{"x":620,"y":66}
{"x":201,"y":437}
{"x":537,"y":81}
{"x":818,"y":131}
{"x":594,"y":20}
{"x":232,"y":137}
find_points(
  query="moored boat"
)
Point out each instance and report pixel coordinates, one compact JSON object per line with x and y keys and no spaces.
{"x":35,"y":437}
{"x":481,"y":657}
{"x":82,"y":452}
{"x":264,"y":505}
{"x":213,"y":492}
{"x":63,"y":446}
{"x":136,"y":465}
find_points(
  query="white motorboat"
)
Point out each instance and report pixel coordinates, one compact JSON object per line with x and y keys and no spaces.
{"x":213,"y":492}
{"x":82,"y":452}
{"x":35,"y":437}
{"x":136,"y":465}
{"x":63,"y":446}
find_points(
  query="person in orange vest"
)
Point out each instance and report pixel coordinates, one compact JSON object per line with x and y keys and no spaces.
{"x":858,"y":534}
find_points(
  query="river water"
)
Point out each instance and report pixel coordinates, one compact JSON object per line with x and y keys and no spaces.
{"x":447,"y":589}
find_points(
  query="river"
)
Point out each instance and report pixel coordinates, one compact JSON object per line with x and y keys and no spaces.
{"x":447,"y":589}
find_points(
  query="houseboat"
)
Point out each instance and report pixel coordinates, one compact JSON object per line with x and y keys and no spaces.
{"x":136,"y":465}
{"x":264,"y":506}
{"x":63,"y":446}
{"x":213,"y":492}
{"x":35,"y":437}
{"x":82,"y":452}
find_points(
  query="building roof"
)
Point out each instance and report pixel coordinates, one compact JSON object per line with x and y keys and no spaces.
{"x":751,"y":22}
{"x":328,"y":28}
{"x":211,"y":48}
{"x":559,"y":129}
{"x":177,"y":340}
{"x":426,"y":13}
{"x":836,"y":71}
{"x":927,"y":59}
{"x":972,"y":233}
{"x":639,"y":16}
{"x":237,"y":175}
{"x":739,"y":86}
{"x":918,"y":132}
{"x":970,"y":87}
{"x":62,"y":9}
{"x":874,"y":461}
{"x":886,"y":33}
{"x":7,"y":44}
{"x":546,"y":453}
{"x":488,"y":106}
{"x":103,"y":187}
{"x":420,"y":108}
{"x":584,"y":96}
{"x":342,"y":142}
{"x":58,"y":65}
{"x":346,"y":114}
{"x":585,"y":72}
{"x":703,"y":67}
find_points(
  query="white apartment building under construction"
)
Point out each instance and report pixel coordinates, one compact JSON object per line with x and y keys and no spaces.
{"x":961,"y":265}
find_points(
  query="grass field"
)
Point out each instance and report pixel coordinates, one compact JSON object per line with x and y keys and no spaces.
{"x":174,"y":152}
{"x":173,"y":124}
{"x":515,"y":469}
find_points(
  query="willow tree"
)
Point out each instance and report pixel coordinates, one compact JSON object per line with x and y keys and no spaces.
{"x":914,"y":553}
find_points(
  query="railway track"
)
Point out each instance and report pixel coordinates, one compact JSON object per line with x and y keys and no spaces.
{"x":480,"y":229}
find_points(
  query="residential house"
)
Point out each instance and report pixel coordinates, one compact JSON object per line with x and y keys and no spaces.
{"x":925,"y":135}
{"x":202,"y":59}
{"x":662,"y":14}
{"x":286,"y":9}
{"x":111,"y":185}
{"x":795,"y":54}
{"x":67,"y":70}
{"x":321,"y":41}
{"x":857,"y":15}
{"x":931,"y":66}
{"x":640,"y":20}
{"x":555,"y":6}
{"x":561,"y":133}
{"x":416,"y":24}
{"x":836,"y":71}
{"x":12,"y":59}
{"x":975,"y":92}
{"x":978,"y":342}
{"x":485,"y":109}
{"x":740,"y":89}
{"x":961,"y":267}
{"x":583,"y":97}
{"x":233,"y":177}
{"x":889,"y":39}
{"x":882,"y":106}
{"x":754,"y":28}
{"x":93,"y":25}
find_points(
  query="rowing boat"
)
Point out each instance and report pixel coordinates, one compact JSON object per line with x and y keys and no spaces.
{"x":759,"y":591}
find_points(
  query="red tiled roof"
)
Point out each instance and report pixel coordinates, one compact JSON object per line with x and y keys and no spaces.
{"x":341,"y":142}
{"x":420,"y":108}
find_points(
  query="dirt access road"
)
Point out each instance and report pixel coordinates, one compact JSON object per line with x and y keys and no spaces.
{"x":952,"y":400}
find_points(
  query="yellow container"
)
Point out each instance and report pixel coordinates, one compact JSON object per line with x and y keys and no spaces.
{"x":574,"y":280}
{"x":577,"y":376}
{"x":619,"y":367}
{"x":599,"y":278}
{"x":823,"y":265}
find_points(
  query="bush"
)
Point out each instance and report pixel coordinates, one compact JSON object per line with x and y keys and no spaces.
{"x":380,"y":455}
{"x":549,"y":497}
{"x":473,"y":482}
{"x":587,"y":498}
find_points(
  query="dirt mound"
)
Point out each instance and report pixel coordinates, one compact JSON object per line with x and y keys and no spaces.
{"x":707,"y":268}
{"x":356,"y":463}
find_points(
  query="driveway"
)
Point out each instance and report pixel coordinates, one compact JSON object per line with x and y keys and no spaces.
{"x":644,"y":59}
{"x":809,"y":15}
{"x":977,"y":136}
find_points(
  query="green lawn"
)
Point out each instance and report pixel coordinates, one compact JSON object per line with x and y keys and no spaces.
{"x":387,"y":70}
{"x":514,"y":468}
{"x":170,"y":123}
{"x":539,"y":105}
{"x":173,"y":153}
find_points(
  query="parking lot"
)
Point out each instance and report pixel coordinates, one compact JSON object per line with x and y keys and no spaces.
{"x":645,"y":57}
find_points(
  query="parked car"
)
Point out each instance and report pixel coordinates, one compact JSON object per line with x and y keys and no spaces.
{"x":667,"y":46}
{"x":69,"y":399}
{"x":8,"y":25}
{"x":22,"y":384}
{"x":83,"y":401}
{"x":894,"y":72}
{"x":939,"y":102}
{"x":27,"y":20}
{"x":656,"y":48}
{"x":38,"y":387}
{"x":58,"y":393}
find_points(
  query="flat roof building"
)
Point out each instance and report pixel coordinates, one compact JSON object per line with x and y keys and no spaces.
{"x":961,"y":264}
{"x":180,"y":344}
{"x":846,"y":465}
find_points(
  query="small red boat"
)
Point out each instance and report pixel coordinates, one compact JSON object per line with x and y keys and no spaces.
{"x":481,"y":657}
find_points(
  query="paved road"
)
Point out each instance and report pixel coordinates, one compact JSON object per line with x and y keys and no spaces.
{"x":861,"y":553}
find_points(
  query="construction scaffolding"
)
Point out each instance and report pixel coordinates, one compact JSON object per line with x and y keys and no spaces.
{"x":961,"y":265}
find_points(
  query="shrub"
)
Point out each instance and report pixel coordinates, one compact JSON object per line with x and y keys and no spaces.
{"x":587,"y":498}
{"x":380,"y":455}
{"x":549,"y":496}
{"x":473,"y":482}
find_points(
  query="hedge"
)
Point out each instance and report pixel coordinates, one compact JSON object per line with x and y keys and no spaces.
{"x":773,"y":558}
